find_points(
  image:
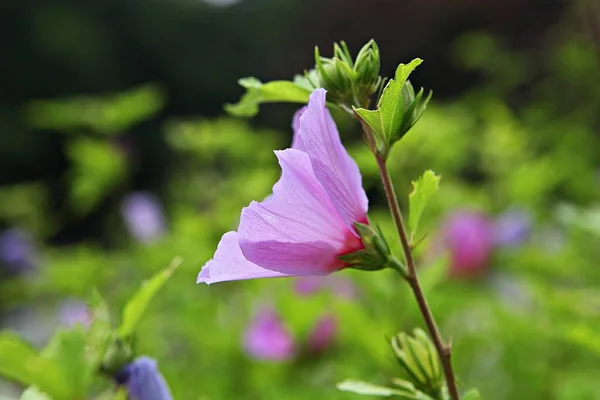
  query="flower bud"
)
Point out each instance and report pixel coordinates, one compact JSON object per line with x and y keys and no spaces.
{"x":367,"y":68}
{"x":376,"y":254}
{"x":419,"y":362}
{"x":347,"y":82}
{"x":414,"y":107}
{"x":144,"y":381}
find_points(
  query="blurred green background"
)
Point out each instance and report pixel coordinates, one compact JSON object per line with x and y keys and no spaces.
{"x":116,"y":156}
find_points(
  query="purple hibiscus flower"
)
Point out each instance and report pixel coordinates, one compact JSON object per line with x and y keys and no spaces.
{"x":309,"y":220}
{"x":267,"y":338}
{"x":469,"y":237}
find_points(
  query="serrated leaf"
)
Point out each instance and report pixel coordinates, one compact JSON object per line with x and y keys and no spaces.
{"x":137,"y":304}
{"x":23,"y":364}
{"x":67,"y":349}
{"x":271,"y":92}
{"x":472,"y":394}
{"x":423,"y":190}
{"x":368,"y":389}
{"x":33,"y":393}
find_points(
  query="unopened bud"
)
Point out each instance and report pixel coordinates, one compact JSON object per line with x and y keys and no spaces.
{"x":419,"y":362}
{"x":347,"y":82}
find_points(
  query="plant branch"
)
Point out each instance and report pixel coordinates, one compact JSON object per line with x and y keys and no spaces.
{"x":443,"y":349}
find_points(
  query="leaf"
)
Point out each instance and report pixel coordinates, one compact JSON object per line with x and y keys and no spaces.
{"x":472,"y":394}
{"x":366,"y":388}
{"x":391,"y":103}
{"x":258,"y":92}
{"x":67,"y":349}
{"x":112,"y":394}
{"x":109,"y":114}
{"x":423,"y":190}
{"x":23,"y":364}
{"x":137,"y":304}
{"x":97,"y":168}
{"x":387,"y":119}
{"x":33,"y":393}
{"x":100,"y":333}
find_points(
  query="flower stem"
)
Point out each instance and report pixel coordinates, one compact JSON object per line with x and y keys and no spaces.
{"x":443,"y":349}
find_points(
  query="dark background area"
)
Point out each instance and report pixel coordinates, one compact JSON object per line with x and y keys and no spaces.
{"x":196,"y":51}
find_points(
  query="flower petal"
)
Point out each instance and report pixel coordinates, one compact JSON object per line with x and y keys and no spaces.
{"x":334,"y":168}
{"x":298,"y":230}
{"x":297,"y":141}
{"x":229,"y":264}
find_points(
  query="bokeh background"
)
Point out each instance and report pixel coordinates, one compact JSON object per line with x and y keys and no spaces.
{"x":116,"y":156}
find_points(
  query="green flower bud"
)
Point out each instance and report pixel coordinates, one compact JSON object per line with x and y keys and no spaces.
{"x":414,"y":107}
{"x":419,"y":362}
{"x":118,"y":354}
{"x":367,"y":68}
{"x":350,"y":83}
{"x":376,"y":255}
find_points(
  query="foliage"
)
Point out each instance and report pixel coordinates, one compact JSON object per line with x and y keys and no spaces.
{"x":524,"y":330}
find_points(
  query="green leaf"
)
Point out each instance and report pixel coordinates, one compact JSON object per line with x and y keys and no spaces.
{"x":391,"y":103}
{"x":366,"y":388}
{"x":68,"y":350}
{"x":97,"y":168}
{"x":112,"y":394}
{"x":100,"y":333}
{"x":23,"y":364}
{"x":472,"y":394}
{"x":109,"y":114}
{"x":135,"y":307}
{"x":390,"y":120}
{"x":423,"y":190}
{"x":258,"y":92}
{"x":33,"y":393}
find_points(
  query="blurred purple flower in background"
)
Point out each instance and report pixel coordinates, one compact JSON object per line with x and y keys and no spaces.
{"x":143,"y":215}
{"x":267,"y":338}
{"x":17,"y":251}
{"x":144,"y":381}
{"x":512,"y":228}
{"x":469,"y":236}
{"x":322,"y":335}
{"x":309,"y":285}
{"x":342,"y":287}
{"x":73,"y":312}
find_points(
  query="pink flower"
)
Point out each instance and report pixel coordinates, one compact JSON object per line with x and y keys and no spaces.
{"x":267,"y":338}
{"x":309,"y":220}
{"x":322,"y":335}
{"x":469,"y":238}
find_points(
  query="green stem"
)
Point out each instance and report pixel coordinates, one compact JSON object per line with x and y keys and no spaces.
{"x":443,"y":349}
